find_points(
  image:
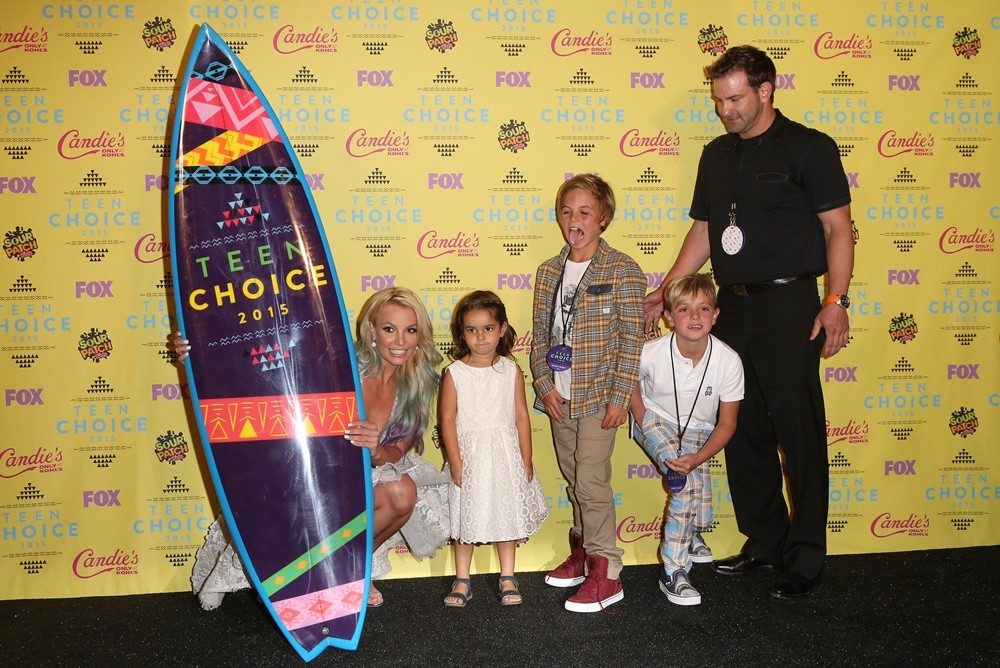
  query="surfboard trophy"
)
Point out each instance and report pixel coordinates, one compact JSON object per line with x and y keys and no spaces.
{"x":272,"y":372}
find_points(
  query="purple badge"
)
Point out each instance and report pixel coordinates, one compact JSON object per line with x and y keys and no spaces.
{"x":560,"y":357}
{"x":675,"y":481}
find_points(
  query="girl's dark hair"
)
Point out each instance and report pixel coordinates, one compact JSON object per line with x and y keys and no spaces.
{"x":480,"y":300}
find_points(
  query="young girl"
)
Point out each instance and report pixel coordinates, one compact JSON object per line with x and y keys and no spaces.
{"x":495,"y":496}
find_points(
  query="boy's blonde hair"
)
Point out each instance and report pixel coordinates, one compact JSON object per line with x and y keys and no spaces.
{"x":689,"y":286}
{"x":596,"y":186}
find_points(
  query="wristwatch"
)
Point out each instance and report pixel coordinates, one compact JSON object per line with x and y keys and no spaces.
{"x":840,"y":300}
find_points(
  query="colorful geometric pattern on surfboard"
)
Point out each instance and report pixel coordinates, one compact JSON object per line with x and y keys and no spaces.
{"x":272,"y":369}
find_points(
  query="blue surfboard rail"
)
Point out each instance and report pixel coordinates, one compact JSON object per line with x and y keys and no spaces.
{"x":272,"y":372}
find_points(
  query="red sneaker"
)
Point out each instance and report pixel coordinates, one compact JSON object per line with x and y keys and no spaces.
{"x":598,"y":592}
{"x":572,"y":571}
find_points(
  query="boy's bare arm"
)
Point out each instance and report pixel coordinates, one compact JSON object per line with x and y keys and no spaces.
{"x":723,"y":431}
{"x":636,"y":407}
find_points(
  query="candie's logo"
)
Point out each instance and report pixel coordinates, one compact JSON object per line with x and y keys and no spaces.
{"x":20,"y":244}
{"x":713,"y":40}
{"x":967,"y":43}
{"x":360,"y":144}
{"x":631,"y":530}
{"x":430,"y":245}
{"x":514,"y":136}
{"x":159,"y":34}
{"x":963,"y":422}
{"x":73,"y":145}
{"x":828,"y":46}
{"x":171,"y":447}
{"x":288,"y":40}
{"x":633,"y":143}
{"x":565,"y":43}
{"x":954,"y":241}
{"x":27,"y":38}
{"x":885,"y":525}
{"x":42,"y":460}
{"x":95,"y":346}
{"x":441,"y":36}
{"x":150,"y":251}
{"x":903,"y":328}
{"x":88,"y":564}
{"x":852,"y":432}
{"x":522,"y":344}
{"x":891,"y":144}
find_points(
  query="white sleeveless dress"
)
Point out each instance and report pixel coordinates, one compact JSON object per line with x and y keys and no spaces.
{"x":495,"y":502}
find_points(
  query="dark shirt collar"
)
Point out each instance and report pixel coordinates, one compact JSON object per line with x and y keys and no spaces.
{"x":777,"y":124}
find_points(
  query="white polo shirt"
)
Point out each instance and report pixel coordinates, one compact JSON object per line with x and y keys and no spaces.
{"x":723,"y":381}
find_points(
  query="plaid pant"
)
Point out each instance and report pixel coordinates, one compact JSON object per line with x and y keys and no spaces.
{"x":689,"y":510}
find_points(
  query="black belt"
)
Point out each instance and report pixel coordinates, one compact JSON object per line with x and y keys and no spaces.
{"x":744,"y":289}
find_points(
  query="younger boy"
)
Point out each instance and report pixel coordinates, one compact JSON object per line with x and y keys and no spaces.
{"x":685,"y":405}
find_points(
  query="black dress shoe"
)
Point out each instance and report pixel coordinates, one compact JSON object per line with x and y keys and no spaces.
{"x":790,"y":586}
{"x":739,"y":564}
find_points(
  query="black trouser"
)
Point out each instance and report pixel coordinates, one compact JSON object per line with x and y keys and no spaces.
{"x":782,"y":407}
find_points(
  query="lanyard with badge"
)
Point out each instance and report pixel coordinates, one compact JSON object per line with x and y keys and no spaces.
{"x":675,"y":480}
{"x":560,"y":356}
{"x":733,"y":236}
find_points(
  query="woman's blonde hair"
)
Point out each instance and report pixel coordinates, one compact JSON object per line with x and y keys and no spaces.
{"x":417,"y":379}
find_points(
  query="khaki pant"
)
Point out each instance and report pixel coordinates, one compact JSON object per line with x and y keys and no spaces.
{"x":583,"y":450}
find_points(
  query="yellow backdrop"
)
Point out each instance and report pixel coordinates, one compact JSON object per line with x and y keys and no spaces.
{"x":435,"y":135}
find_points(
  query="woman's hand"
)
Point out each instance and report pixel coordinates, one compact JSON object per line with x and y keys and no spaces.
{"x":363,"y":434}
{"x":181,"y":346}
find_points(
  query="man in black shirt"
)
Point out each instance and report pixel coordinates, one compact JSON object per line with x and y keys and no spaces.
{"x":771,"y":208}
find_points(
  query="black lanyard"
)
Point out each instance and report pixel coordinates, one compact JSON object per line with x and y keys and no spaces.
{"x":745,"y":149}
{"x":677,"y":406}
{"x":567,"y":316}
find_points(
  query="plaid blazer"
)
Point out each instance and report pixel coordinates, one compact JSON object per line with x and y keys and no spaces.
{"x":607,"y":331}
